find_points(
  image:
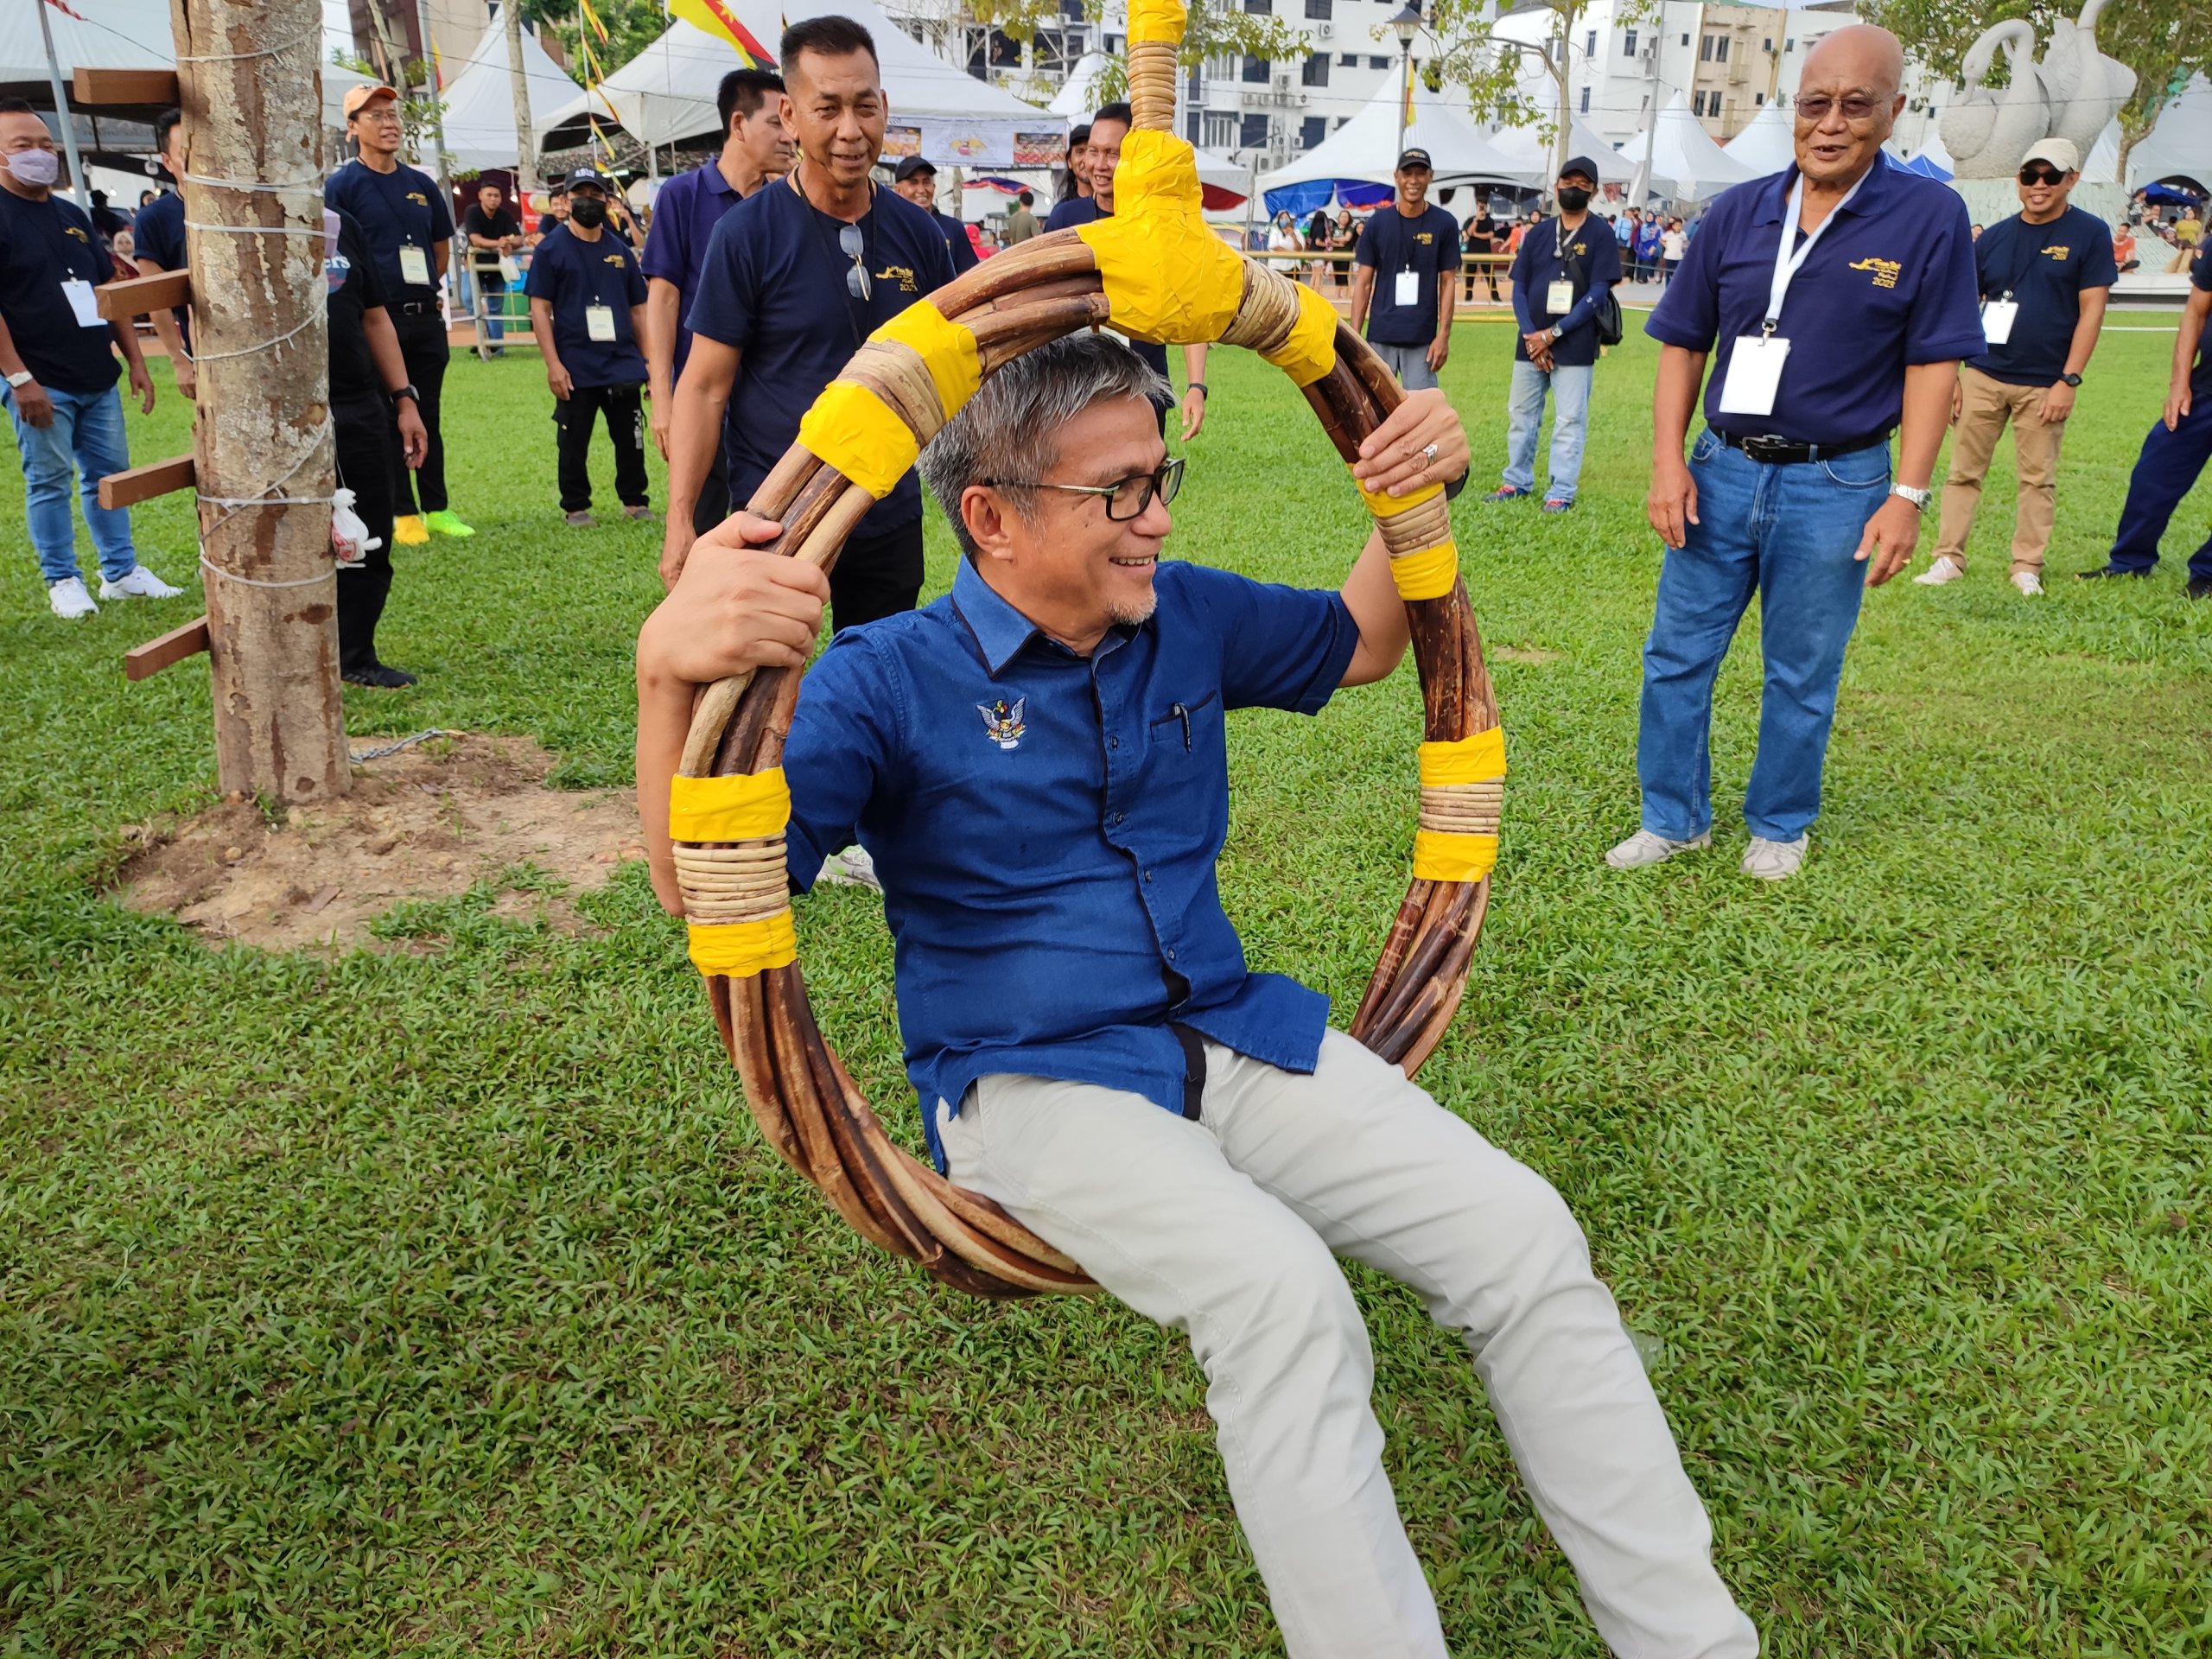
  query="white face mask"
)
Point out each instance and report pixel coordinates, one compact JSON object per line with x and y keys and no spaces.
{"x":39,"y":168}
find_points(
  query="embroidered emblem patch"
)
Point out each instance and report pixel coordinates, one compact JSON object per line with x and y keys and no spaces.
{"x":1003,"y":725}
{"x":1885,"y":270}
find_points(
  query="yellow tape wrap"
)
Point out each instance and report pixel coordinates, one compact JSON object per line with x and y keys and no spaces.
{"x":855,"y":431}
{"x":1439,"y":857}
{"x":741,"y":949}
{"x":1474,"y":760}
{"x":1167,"y":277}
{"x":744,"y":808}
{"x":1389,"y":506}
{"x":1430,"y":574}
{"x":1155,"y":20}
{"x":1311,"y":351}
{"x":947,"y":349}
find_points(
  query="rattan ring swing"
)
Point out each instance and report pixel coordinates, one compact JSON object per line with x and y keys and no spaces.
{"x":1156,"y":271}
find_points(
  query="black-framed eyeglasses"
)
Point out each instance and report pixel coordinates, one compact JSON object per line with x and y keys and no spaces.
{"x":854,"y":248}
{"x":1815,"y":107}
{"x":1126,"y":499}
{"x":2045,"y":175}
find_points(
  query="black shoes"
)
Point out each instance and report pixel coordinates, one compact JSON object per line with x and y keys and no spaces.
{"x":2104,"y":571}
{"x":381,"y":675}
{"x":2200,"y":588}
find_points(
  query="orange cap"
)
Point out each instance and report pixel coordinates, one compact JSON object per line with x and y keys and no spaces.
{"x":360,"y":98}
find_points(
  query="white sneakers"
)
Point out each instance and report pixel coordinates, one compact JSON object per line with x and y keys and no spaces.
{"x":851,"y":868}
{"x":69,"y":598}
{"x":138,"y":583}
{"x":1768,"y":860}
{"x":2029,"y":583}
{"x":1944,"y":569}
{"x":1775,"y":860}
{"x":1644,"y":848}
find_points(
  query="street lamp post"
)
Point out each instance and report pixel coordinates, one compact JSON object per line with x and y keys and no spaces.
{"x":1405,"y":26}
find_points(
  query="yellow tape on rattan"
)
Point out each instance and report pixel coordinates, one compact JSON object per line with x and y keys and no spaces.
{"x":947,"y":349}
{"x":1441,"y":857}
{"x":1429,"y":574}
{"x":863,"y":437}
{"x":1474,"y":760}
{"x":1167,"y":277}
{"x":1311,"y":351}
{"x":1156,"y":20}
{"x":741,"y":949}
{"x":1389,"y":506}
{"x":748,"y":807}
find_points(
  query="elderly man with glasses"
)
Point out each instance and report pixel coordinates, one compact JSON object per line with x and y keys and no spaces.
{"x":1038,"y":763}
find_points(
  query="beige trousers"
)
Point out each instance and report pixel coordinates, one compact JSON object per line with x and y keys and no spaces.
{"x":1985,"y":406}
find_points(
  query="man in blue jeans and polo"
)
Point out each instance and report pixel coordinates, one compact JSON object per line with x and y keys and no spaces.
{"x":1838,"y":297}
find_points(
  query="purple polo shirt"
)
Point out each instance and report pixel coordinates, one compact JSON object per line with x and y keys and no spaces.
{"x":685,"y":213}
{"x":1891,"y":283}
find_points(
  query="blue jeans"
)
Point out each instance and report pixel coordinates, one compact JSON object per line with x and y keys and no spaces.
{"x":494,"y":288}
{"x":85,"y":438}
{"x":1524,"y":413}
{"x":1787,"y":533}
{"x":2166,"y":472}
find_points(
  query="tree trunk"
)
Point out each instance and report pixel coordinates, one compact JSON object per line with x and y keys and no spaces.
{"x":519,"y":79}
{"x":261,"y":430}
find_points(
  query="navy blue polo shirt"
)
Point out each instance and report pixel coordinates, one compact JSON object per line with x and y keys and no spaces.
{"x":1591,"y":257}
{"x":957,"y":245}
{"x":158,"y":234}
{"x":1890,"y":284}
{"x":404,"y":205}
{"x":689,"y":207}
{"x":43,"y":244}
{"x":1083,"y":210}
{"x":572,"y":275}
{"x":1427,"y":246}
{"x":2044,"y":268}
{"x":774,"y":288}
{"x":2200,"y":275}
{"x":1020,"y":801}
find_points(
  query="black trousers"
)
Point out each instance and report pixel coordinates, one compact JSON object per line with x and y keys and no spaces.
{"x":876,"y":575}
{"x":423,"y":344}
{"x":365,"y":433}
{"x":713,"y":504}
{"x":573,"y":420}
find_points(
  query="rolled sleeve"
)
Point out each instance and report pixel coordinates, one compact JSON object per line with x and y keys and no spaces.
{"x":844,"y":746}
{"x":1945,"y":322}
{"x":1281,"y":647}
{"x":2099,"y":268}
{"x":1688,"y":312}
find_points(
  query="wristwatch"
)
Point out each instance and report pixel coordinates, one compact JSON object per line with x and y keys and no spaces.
{"x":1918,"y":497}
{"x":19,"y":378}
{"x":2071,"y":380}
{"x":408,"y":393}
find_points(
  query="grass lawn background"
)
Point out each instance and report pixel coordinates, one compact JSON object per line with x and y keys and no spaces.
{"x":449,"y":1303}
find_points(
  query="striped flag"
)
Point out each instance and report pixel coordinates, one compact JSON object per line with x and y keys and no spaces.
{"x":719,"y":20}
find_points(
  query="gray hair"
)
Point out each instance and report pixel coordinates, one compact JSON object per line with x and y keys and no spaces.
{"x":1008,"y":432}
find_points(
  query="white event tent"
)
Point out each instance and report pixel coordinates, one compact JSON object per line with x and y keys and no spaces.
{"x":479,"y":104}
{"x":2180,"y":146}
{"x":1530,"y":149}
{"x":1364,"y":150}
{"x":1685,"y":161}
{"x":1767,"y":144}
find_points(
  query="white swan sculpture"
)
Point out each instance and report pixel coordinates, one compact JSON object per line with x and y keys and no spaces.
{"x":2086,"y":88}
{"x":1986,"y":133}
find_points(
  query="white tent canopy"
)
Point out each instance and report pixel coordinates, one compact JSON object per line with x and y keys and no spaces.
{"x":667,"y":92}
{"x":1931,"y":149}
{"x":1528,"y":149}
{"x":2101,"y":165}
{"x":1685,"y":161}
{"x":2180,"y":146}
{"x":1074,"y":99}
{"x":480,"y":112}
{"x":1767,"y":145}
{"x":1366,"y":147}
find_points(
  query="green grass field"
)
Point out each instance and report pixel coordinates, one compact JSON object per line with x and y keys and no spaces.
{"x":448,"y":1302}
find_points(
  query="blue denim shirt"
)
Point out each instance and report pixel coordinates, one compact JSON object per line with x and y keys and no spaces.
{"x":1046,"y":825}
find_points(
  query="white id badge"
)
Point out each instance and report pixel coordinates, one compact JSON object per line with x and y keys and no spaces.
{"x":84,"y":303}
{"x":413,"y":265}
{"x":1997,"y":320}
{"x":1754,"y":374}
{"x":1407,"y":291}
{"x":1558,"y":298}
{"x":599,"y":323}
{"x":509,"y":271}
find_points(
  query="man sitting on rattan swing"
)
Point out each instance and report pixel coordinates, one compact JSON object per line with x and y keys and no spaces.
{"x":1036,"y":765}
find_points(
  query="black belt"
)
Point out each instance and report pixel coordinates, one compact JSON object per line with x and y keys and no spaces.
{"x":1788,"y":451}
{"x":417,"y":307}
{"x":1194,"y":1069}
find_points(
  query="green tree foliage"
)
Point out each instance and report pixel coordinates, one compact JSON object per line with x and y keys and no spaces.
{"x":1493,"y":69}
{"x":632,"y":26}
{"x":1215,"y":30}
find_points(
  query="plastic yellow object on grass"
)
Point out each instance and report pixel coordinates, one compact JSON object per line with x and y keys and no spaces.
{"x":1389,"y":506}
{"x":1430,"y":574}
{"x":741,"y":949}
{"x":1156,"y":20}
{"x":1441,"y":857}
{"x":1167,"y":277}
{"x":749,"y":807}
{"x":947,"y":349}
{"x":1311,"y":351}
{"x":855,"y":431}
{"x":1474,"y":760}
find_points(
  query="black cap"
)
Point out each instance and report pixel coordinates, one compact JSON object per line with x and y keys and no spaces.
{"x":1581,"y":164}
{"x":588,"y":176}
{"x":909,"y":165}
{"x":1414,"y":158}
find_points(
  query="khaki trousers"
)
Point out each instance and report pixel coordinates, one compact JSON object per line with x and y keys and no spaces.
{"x":1985,"y":406}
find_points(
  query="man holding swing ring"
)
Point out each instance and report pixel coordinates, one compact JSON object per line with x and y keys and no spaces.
{"x":1037,"y":763}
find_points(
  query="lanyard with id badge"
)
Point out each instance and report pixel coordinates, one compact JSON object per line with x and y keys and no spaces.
{"x":1755,"y":364}
{"x":1998,"y":315}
